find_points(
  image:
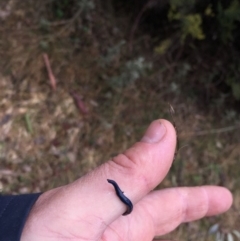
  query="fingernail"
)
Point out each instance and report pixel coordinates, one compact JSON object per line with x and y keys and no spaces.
{"x":154,"y":133}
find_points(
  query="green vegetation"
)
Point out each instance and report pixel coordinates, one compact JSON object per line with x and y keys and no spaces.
{"x":116,"y":65}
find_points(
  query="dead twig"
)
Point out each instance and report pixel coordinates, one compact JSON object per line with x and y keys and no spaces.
{"x":172,"y":112}
{"x":52,"y":78}
{"x":213,"y":131}
{"x":135,"y":25}
{"x":148,"y":5}
{"x":79,"y":103}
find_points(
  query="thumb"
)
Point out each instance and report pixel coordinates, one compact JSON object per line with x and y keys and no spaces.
{"x":137,"y":171}
{"x":92,"y":201}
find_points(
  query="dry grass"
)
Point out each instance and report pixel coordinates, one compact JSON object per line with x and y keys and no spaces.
{"x":47,"y":141}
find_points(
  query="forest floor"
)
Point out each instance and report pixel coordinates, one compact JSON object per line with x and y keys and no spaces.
{"x":98,"y":101}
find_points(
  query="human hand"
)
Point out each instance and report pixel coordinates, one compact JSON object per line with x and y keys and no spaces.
{"x":89,"y":209}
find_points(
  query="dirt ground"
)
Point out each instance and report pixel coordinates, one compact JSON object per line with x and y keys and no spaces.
{"x":72,"y":96}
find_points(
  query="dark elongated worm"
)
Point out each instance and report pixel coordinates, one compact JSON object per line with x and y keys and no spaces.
{"x":122,"y":197}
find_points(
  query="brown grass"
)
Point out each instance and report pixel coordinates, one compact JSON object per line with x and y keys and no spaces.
{"x":46,"y":140}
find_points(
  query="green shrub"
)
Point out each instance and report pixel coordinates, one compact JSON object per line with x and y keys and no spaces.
{"x":190,"y":15}
{"x":227,"y":19}
{"x":213,"y":22}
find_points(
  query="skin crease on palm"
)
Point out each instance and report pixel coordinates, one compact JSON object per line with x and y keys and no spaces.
{"x":89,"y":209}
